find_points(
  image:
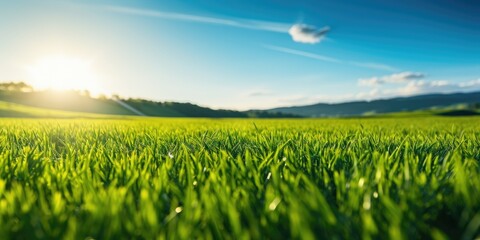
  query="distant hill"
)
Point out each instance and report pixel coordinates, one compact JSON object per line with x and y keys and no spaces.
{"x":65,"y":101}
{"x":399,"y":104}
{"x":19,"y":99}
{"x":73,"y":101}
{"x":175,"y":109}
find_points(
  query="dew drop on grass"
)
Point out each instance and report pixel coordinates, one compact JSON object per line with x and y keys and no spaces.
{"x":366,"y":202}
{"x":273,"y":205}
{"x":378,"y":175}
{"x":361,"y":182}
{"x":366,"y":205}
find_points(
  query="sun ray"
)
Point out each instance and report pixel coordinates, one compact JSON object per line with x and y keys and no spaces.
{"x":59,"y":72}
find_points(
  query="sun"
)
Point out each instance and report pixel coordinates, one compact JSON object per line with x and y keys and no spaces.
{"x":59,"y":72}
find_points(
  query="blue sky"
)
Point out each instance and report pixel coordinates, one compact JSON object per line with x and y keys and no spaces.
{"x":248,"y":54}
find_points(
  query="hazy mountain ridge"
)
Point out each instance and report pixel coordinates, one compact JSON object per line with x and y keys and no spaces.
{"x":380,"y":106}
{"x":81,"y":101}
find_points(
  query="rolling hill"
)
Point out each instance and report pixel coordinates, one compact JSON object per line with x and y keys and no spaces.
{"x":57,"y":104}
{"x":14,"y":110}
{"x":400,"y":104}
{"x":21,"y":103}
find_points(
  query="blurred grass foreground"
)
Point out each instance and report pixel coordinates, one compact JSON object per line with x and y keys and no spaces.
{"x":240,"y":179}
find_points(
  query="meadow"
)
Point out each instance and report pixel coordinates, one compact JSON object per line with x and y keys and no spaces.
{"x":153,"y":178}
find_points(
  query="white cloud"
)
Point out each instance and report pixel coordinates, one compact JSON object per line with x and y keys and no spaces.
{"x":420,"y":87}
{"x":393,"y":78}
{"x":259,"y":92}
{"x":369,"y":81}
{"x":410,"y":88}
{"x":403,"y":77}
{"x":307,"y":34}
{"x":416,"y":87}
{"x":469,"y":84}
{"x":368,"y":95}
{"x":305,"y":99}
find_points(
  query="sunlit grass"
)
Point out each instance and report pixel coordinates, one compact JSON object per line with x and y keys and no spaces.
{"x":240,"y":179}
{"x":8,"y":109}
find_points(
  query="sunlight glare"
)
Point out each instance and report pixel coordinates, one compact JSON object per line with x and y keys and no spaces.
{"x":58,"y":72}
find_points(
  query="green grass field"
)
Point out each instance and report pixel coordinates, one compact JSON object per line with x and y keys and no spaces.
{"x":405,"y":178}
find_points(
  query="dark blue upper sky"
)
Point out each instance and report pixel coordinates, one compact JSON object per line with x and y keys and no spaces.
{"x":249,"y":54}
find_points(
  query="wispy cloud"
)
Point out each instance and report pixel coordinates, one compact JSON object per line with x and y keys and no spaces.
{"x":440,"y":86}
{"x":409,"y":88}
{"x":258,"y":93}
{"x":238,"y":23}
{"x":302,"y":53}
{"x":413,"y":84}
{"x":307,"y":34}
{"x":301,"y":33}
{"x":303,"y":99}
{"x":376,"y":66}
{"x":470,"y":84}
{"x":393,"y":78}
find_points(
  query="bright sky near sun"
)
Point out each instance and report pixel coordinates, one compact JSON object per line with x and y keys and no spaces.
{"x":243,"y":54}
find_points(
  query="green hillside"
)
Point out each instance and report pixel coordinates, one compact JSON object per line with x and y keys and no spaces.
{"x":382,"y":106}
{"x":174,"y":109}
{"x":73,"y":101}
{"x":462,"y":104}
{"x":14,"y":110}
{"x":67,"y":101}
